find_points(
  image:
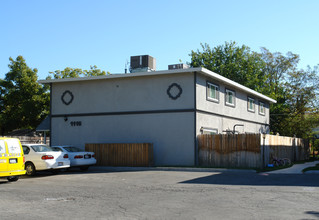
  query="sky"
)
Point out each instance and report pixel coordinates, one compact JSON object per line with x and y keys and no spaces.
{"x":52,"y":35}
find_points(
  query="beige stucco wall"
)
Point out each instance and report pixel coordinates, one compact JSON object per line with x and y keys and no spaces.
{"x":172,"y":134}
{"x":129,"y":110}
{"x":124,"y":94}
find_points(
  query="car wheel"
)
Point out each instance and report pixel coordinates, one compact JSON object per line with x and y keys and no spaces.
{"x":12,"y":178}
{"x":84,"y":168}
{"x":29,"y":167}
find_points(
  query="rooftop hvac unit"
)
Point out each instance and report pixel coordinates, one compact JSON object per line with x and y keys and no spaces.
{"x":143,"y":63}
{"x":178,"y":66}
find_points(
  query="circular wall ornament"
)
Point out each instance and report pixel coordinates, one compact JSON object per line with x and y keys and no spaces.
{"x":67,"y":97}
{"x":174,"y":91}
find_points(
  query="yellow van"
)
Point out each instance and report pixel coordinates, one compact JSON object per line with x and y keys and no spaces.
{"x":11,"y":159}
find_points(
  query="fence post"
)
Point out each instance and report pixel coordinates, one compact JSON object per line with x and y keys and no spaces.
{"x":313,"y":147}
{"x":295,"y":147}
{"x":263,"y":151}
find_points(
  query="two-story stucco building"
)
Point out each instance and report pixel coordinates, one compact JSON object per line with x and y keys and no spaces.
{"x":167,"y":108}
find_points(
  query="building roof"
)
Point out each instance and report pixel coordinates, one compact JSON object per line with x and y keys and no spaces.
{"x":45,"y":124}
{"x":201,"y":70}
{"x":21,"y":132}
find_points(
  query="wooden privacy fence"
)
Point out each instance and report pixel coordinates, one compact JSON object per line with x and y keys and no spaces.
{"x":32,"y":140}
{"x":239,"y":150}
{"x":134,"y":155}
{"x":295,"y":149}
{"x":248,"y":150}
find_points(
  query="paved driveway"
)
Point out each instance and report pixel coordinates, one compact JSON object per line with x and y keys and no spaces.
{"x":109,"y":193}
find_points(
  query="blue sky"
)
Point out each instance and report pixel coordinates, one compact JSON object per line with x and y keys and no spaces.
{"x":52,"y":35}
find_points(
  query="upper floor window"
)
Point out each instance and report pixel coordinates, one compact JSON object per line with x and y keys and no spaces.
{"x":212,"y":92}
{"x":208,"y":130}
{"x":230,"y":97}
{"x":251,"y":104}
{"x":261,"y":108}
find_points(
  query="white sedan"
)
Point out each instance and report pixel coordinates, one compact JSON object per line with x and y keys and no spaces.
{"x":78,"y":157}
{"x":42,"y":157}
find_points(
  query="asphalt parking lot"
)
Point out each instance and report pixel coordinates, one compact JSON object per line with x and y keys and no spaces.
{"x":120,"y":193}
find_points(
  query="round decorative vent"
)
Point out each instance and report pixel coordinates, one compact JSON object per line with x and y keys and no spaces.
{"x":174,"y":91}
{"x":67,"y":97}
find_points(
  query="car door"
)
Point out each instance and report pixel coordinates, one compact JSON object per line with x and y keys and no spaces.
{"x":15,"y":155}
{"x":3,"y":157}
{"x":32,"y":156}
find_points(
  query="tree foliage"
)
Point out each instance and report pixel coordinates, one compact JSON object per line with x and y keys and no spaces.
{"x":295,"y":113}
{"x":302,"y":87}
{"x":273,"y":74}
{"x":69,"y":72}
{"x":24,"y":102}
{"x":276,"y":69}
{"x":239,"y":64}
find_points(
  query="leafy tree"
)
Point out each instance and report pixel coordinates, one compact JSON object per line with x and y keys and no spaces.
{"x":302,"y":86}
{"x":77,"y":72}
{"x":94,"y":71}
{"x":237,"y":63}
{"x":295,"y":112}
{"x":277,"y":68}
{"x":24,"y":102}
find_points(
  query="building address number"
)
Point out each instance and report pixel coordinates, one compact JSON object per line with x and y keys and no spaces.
{"x":76,"y":123}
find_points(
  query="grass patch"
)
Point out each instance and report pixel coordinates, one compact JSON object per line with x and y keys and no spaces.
{"x":311,"y":159}
{"x":311,"y":168}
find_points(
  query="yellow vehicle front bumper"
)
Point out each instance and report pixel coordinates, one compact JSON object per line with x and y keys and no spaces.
{"x":12,"y":173}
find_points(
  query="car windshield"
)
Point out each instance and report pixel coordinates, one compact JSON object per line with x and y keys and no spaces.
{"x":56,"y":149}
{"x":41,"y":148}
{"x":72,"y":149}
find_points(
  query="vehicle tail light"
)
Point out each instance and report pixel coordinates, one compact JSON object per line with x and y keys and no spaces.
{"x":47,"y":157}
{"x":23,"y":159}
{"x":78,"y":156}
{"x":93,"y":155}
{"x":66,"y":156}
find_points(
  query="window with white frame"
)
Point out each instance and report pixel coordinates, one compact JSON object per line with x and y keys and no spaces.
{"x":251,"y":104}
{"x":208,"y":130}
{"x":230,"y":97}
{"x":13,"y":146}
{"x":212,"y":92}
{"x":261,"y":108}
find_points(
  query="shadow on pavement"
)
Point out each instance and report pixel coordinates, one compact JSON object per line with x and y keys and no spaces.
{"x":257,"y":179}
{"x":48,"y":173}
{"x":4,"y":182}
{"x":216,"y":177}
{"x":316,"y":214}
{"x":91,"y":170}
